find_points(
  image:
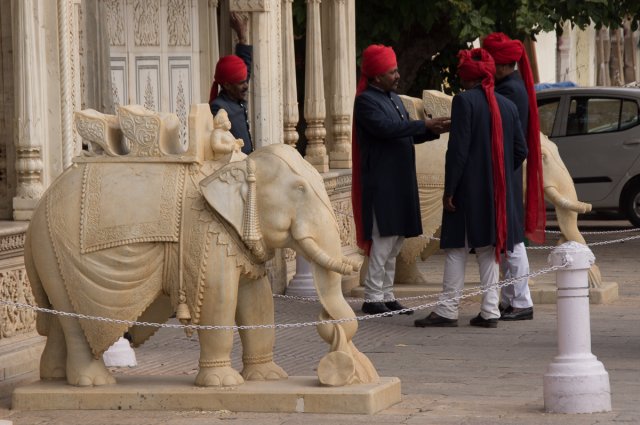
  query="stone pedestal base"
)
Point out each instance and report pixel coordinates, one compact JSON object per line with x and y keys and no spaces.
{"x":577,"y":386}
{"x":297,"y":394}
{"x":19,"y":361}
{"x":541,"y":293}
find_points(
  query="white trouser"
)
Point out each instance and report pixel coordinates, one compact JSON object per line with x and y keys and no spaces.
{"x":516,"y":264}
{"x":378,"y":282}
{"x":453,"y":281}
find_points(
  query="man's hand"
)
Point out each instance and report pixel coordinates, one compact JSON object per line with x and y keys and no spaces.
{"x":438,"y":125}
{"x":447,"y":203}
{"x":239,"y":25}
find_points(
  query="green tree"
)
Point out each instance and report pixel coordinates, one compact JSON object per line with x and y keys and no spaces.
{"x":427,"y":34}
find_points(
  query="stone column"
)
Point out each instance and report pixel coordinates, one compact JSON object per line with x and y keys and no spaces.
{"x":575,"y":382}
{"x":340,"y":155}
{"x":301,"y":284}
{"x":565,"y":70}
{"x":29,"y":109}
{"x":289,"y":90}
{"x":97,"y":93}
{"x":69,"y":77}
{"x":314,"y":104}
{"x":617,"y":57}
{"x":630,"y":53}
{"x":266,"y":78}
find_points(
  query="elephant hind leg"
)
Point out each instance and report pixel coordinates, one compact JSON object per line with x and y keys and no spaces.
{"x":54,"y":357}
{"x":158,"y":312}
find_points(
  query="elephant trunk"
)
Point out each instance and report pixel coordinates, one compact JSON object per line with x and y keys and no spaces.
{"x":559,"y":201}
{"x":317,"y":255}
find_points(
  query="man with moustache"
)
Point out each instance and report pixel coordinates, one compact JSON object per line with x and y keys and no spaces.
{"x":485,"y":146}
{"x":516,"y":303}
{"x":384,"y":190}
{"x":233,"y":73}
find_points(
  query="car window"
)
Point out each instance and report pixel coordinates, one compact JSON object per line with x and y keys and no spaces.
{"x":591,"y":115}
{"x":547,"y":109}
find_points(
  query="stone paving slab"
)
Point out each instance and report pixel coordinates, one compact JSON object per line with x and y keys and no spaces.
{"x":461,"y":375}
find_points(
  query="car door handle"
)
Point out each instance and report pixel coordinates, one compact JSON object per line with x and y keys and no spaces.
{"x":631,"y":142}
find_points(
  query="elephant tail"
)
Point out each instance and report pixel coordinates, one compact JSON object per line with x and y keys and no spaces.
{"x":42,"y":324}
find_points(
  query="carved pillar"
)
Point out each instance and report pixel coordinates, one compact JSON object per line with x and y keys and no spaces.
{"x":69,"y":79}
{"x":565,"y":70}
{"x":96,"y":75}
{"x":314,"y":105}
{"x":340,"y":154}
{"x":617,"y":57}
{"x":266,"y":78}
{"x":603,"y":52}
{"x":630,"y":53}
{"x":289,"y":91}
{"x":29,"y":109}
{"x":207,"y":15}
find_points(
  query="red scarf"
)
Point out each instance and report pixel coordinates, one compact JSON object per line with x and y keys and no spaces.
{"x":229,"y":69}
{"x":504,"y":51}
{"x":376,"y":59}
{"x":474,"y":65}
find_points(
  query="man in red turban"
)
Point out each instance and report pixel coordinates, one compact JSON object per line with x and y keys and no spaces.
{"x":232,"y":74}
{"x":485,"y":146}
{"x":516,"y":303}
{"x":385,"y":191}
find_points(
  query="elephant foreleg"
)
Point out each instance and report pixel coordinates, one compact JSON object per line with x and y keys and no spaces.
{"x":218,"y":309}
{"x":255,"y":307}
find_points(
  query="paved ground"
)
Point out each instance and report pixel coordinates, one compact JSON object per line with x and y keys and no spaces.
{"x":462,"y":375}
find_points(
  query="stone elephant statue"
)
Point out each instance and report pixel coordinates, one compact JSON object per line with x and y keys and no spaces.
{"x":430,"y":160}
{"x":139,"y":238}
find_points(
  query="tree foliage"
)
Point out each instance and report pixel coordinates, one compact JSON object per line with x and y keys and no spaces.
{"x":427,"y":34}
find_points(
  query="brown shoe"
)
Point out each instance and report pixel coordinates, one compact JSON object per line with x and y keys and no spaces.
{"x":435,"y":320}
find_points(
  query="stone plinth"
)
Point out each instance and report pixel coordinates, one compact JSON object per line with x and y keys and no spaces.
{"x":301,"y":394}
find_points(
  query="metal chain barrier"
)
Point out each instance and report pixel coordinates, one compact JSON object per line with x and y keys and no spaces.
{"x":471,"y":292}
{"x":629,"y":238}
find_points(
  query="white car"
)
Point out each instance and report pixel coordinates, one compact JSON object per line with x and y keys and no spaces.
{"x":597,"y":131}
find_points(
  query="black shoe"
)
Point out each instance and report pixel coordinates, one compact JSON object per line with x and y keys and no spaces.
{"x":395,"y":306}
{"x":484,"y":323}
{"x":505,"y":309}
{"x":375,"y":308}
{"x":435,"y":320}
{"x":518,"y":314}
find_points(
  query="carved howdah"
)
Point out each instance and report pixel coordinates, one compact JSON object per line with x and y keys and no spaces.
{"x":145,"y":234}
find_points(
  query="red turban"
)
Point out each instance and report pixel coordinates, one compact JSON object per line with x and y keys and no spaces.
{"x":229,"y":69}
{"x":505,"y":50}
{"x":478,"y":64}
{"x":376,"y":59}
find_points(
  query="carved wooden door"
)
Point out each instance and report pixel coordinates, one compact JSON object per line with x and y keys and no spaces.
{"x":154,"y":54}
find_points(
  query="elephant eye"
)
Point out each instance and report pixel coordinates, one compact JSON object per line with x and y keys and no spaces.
{"x":301,"y":188}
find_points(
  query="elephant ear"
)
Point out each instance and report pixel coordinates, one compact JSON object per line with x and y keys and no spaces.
{"x":226,"y":192}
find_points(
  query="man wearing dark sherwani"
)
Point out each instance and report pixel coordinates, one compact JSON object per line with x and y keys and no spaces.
{"x":385,"y":191}
{"x":516,"y":302}
{"x":485,"y":146}
{"x":233,"y":73}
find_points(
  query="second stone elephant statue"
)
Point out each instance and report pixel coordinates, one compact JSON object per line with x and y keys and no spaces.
{"x":430,"y":160}
{"x":138,"y":238}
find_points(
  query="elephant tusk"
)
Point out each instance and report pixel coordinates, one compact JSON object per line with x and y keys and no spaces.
{"x":556,"y":198}
{"x":316,"y":254}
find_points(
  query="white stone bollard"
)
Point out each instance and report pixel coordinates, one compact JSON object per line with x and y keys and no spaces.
{"x":120,"y":354}
{"x":575,"y":382}
{"x":301,"y":284}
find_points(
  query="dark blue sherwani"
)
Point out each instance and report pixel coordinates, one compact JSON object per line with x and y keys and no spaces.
{"x":469,"y":173}
{"x":236,"y":110}
{"x":512,"y":87}
{"x":385,"y":137}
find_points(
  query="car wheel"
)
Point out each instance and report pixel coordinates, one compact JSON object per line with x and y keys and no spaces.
{"x":631,"y":204}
